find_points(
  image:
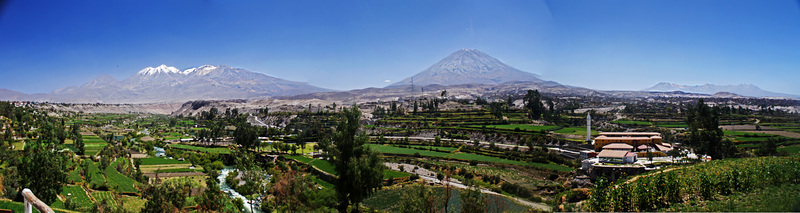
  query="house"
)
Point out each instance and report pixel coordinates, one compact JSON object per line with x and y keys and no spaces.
{"x":631,"y":138}
{"x":618,"y":147}
{"x":616,"y":156}
{"x":586,"y":154}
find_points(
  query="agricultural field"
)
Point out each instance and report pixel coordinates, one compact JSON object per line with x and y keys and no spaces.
{"x":524,"y":127}
{"x":387,"y":200}
{"x":406,"y":151}
{"x":712,"y":180}
{"x":328,"y":167}
{"x":578,"y":130}
{"x":178,"y":170}
{"x":201,"y":149}
{"x":435,"y":148}
{"x":120,"y":182}
{"x":782,"y":198}
{"x":632,"y":122}
{"x":107,"y":196}
{"x":465,"y":156}
{"x":792,"y":150}
{"x":160,"y":161}
{"x":92,"y":144}
{"x":74,"y":192}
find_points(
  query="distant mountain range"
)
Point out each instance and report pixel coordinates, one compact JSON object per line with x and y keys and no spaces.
{"x":472,"y":72}
{"x":741,"y":89}
{"x":168,"y":84}
{"x":468,"y":66}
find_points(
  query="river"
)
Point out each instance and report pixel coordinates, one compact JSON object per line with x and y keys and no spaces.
{"x":233,"y":194}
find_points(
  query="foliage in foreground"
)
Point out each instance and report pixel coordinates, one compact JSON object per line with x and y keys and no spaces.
{"x":700,"y":182}
{"x":359,"y":168}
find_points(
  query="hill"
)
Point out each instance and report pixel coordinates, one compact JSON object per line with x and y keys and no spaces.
{"x":468,"y":66}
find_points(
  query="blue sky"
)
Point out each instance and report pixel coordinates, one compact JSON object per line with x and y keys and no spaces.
{"x":609,"y":45}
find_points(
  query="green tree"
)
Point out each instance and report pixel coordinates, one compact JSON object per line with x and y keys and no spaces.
{"x":245,"y":135}
{"x":533,"y":103}
{"x":705,"y":136}
{"x":473,"y":200}
{"x":163,"y":197}
{"x":420,"y":199}
{"x":767,"y":148}
{"x":43,"y":171}
{"x":497,"y":108}
{"x":77,"y":139}
{"x":359,"y":167}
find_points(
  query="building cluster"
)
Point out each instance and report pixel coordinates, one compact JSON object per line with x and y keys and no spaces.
{"x":626,"y":147}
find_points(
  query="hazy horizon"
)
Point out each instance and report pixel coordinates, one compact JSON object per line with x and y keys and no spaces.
{"x":606,"y":45}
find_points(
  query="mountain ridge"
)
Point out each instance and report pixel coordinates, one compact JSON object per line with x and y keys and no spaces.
{"x":739,"y":89}
{"x":169,"y":84}
{"x":467,"y":66}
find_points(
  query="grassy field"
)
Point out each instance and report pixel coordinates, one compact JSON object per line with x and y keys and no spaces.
{"x":328,"y":167}
{"x":95,"y":175}
{"x":407,"y":151}
{"x":525,"y":127}
{"x":18,"y":145}
{"x":118,"y":181}
{"x":446,"y":149}
{"x":394,"y":174}
{"x":160,"y":161}
{"x":483,"y":158}
{"x":201,"y":149}
{"x":792,"y":150}
{"x":631,"y":122}
{"x":76,"y":193}
{"x":322,"y":182}
{"x":320,"y":164}
{"x":92,"y":144}
{"x":99,"y":196}
{"x":465,"y":156}
{"x":672,"y":125}
{"x":133,"y":204}
{"x":75,"y":175}
{"x":578,"y":130}
{"x":178,"y":170}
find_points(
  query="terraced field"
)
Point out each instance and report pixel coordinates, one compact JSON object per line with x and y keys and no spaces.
{"x":119,"y":181}
{"x":524,"y":127}
{"x":160,"y":161}
{"x":93,"y":144}
{"x":465,"y":156}
{"x":104,"y":195}
{"x":201,"y":149}
{"x":328,"y":167}
{"x":76,"y":193}
{"x":578,"y":130}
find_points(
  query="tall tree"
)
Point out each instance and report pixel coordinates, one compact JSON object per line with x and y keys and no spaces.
{"x":533,"y":103}
{"x":246,"y":135}
{"x":359,"y":167}
{"x":497,"y":108}
{"x":43,"y":171}
{"x":705,"y":136}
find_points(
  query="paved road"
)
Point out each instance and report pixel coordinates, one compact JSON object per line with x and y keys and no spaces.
{"x":430,"y":177}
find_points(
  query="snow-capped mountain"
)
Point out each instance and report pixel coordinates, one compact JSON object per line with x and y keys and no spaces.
{"x":169,"y":84}
{"x":468,"y":66}
{"x":741,"y":89}
{"x":158,"y":70}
